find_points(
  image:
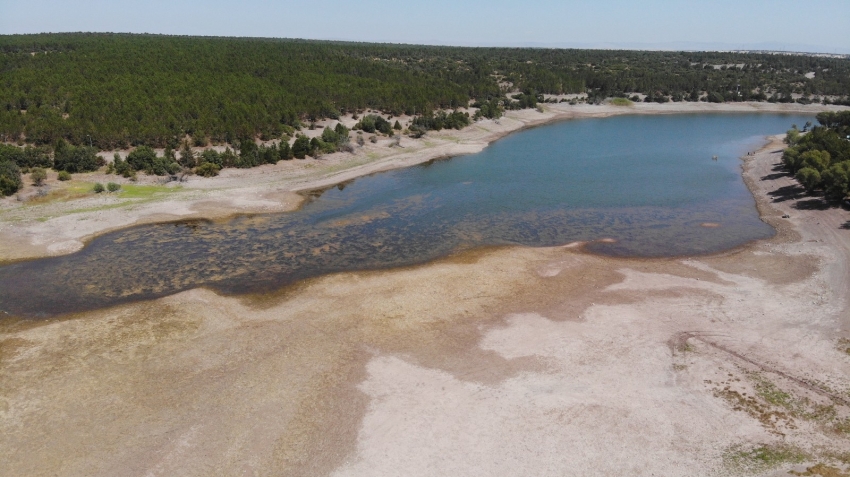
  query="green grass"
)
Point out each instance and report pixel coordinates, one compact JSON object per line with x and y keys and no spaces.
{"x":765,"y":457}
{"x":130,"y":191}
{"x":621,"y":102}
{"x":772,"y":394}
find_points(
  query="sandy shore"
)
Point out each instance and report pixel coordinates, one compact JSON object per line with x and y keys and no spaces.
{"x":511,"y":361}
{"x":37,"y":228}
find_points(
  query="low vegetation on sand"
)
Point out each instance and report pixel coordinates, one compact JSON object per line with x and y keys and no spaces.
{"x":621,"y":102}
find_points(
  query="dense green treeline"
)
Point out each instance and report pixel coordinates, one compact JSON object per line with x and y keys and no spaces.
{"x":118,"y":90}
{"x":820,"y":159}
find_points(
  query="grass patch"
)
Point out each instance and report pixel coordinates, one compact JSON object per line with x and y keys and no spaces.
{"x":770,"y":393}
{"x":131,"y":191}
{"x":621,"y":102}
{"x":769,"y":417}
{"x":764,"y":457}
{"x":81,"y":190}
{"x":74,"y":190}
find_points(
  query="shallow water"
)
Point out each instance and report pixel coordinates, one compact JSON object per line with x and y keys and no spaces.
{"x":648,"y":182}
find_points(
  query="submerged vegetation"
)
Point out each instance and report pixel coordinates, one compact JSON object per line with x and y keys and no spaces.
{"x":820,"y":158}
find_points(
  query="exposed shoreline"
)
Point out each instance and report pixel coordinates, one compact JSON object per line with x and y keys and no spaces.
{"x":508,"y":361}
{"x":28,"y":232}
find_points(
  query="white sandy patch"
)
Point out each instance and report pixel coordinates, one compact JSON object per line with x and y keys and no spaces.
{"x":68,"y":246}
{"x":605,"y":393}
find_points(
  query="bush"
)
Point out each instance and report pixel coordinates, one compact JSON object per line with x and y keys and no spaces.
{"x":285,"y":151}
{"x":38,"y":176}
{"x":301,"y":147}
{"x":441,"y":120}
{"x":75,"y":159}
{"x":491,"y":109}
{"x":10,"y":178}
{"x":208,"y":169}
{"x":210,"y":156}
{"x":27,"y":157}
{"x":145,"y":159}
{"x":836,"y":181}
{"x":372,"y":123}
{"x":808,"y":178}
{"x":64,"y":176}
{"x":98,"y":188}
{"x":113,"y":187}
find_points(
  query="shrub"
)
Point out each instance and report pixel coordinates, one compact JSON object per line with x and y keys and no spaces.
{"x":210,"y":156}
{"x":27,"y":157}
{"x":372,"y":123}
{"x":144,"y":158}
{"x":98,"y":188}
{"x":112,"y":187}
{"x":10,"y":178}
{"x":809,"y":178}
{"x":187,"y":157}
{"x":285,"y":151}
{"x":441,"y":120}
{"x":38,"y":176}
{"x":141,"y":158}
{"x":301,"y":147}
{"x":75,"y":159}
{"x":208,"y":169}
{"x":64,"y":176}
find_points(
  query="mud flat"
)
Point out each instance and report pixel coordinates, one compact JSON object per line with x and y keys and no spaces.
{"x":508,"y":361}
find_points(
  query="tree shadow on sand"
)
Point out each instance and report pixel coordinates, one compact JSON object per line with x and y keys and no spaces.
{"x":846,"y":225}
{"x":812,"y":204}
{"x":774,"y":176}
{"x":788,"y":192}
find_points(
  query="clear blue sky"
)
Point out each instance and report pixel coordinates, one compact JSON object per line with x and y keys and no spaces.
{"x":652,"y":24}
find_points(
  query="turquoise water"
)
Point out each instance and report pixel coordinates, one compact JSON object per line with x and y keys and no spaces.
{"x":648,"y":182}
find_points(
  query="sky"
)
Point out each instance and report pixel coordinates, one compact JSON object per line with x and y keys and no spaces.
{"x":810,"y":25}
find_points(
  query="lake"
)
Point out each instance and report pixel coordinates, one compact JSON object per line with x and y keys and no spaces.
{"x":650,"y":183}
